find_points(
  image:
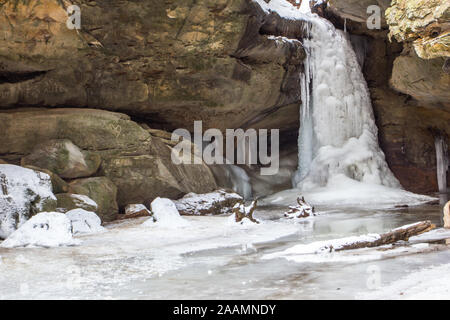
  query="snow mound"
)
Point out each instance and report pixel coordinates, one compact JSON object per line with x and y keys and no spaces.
{"x":85,"y":221}
{"x":46,"y":229}
{"x":23,"y":192}
{"x":166,"y":215}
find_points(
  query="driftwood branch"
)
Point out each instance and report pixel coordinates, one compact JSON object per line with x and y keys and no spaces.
{"x":303,"y":210}
{"x":240,"y":212}
{"x":402,"y":233}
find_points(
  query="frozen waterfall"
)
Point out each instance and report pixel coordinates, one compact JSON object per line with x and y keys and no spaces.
{"x":338,"y":135}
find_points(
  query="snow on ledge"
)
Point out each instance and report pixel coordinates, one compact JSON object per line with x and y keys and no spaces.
{"x":283,"y":8}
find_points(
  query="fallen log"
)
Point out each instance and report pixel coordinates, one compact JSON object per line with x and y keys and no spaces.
{"x":399,"y":234}
{"x":363,"y":241}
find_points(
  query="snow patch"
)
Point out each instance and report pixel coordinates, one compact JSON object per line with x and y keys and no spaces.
{"x":282,"y":7}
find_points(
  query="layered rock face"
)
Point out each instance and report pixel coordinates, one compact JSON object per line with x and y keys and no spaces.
{"x":409,"y":85}
{"x":172,"y":62}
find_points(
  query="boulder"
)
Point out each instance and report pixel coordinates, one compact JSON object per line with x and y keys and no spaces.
{"x":46,"y":229}
{"x":59,"y":185}
{"x":69,"y":201}
{"x":102,"y":191}
{"x":23,"y":193}
{"x":99,"y":131}
{"x":135,"y":211}
{"x":84,"y":222}
{"x":214,"y":203}
{"x":424,"y":80}
{"x":63,"y":158}
{"x":142,"y":178}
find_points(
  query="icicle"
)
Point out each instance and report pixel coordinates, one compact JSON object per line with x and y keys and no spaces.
{"x":442,"y":163}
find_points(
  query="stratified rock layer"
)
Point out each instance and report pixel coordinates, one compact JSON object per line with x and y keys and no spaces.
{"x":170,"y":61}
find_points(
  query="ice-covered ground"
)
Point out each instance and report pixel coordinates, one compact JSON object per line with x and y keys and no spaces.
{"x":344,"y":192}
{"x":428,"y":284}
{"x":210,"y":257}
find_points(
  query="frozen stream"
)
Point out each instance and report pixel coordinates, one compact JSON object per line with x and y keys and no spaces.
{"x":211,"y":259}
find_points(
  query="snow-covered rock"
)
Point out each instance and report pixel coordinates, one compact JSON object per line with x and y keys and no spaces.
{"x":165,"y":214}
{"x":136,"y":211}
{"x":46,"y":229}
{"x":84,"y":221}
{"x":64,"y":158}
{"x":70,"y":201}
{"x":214,"y":203}
{"x":23,"y":193}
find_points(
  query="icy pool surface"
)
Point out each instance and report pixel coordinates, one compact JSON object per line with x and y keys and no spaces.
{"x":211,"y":258}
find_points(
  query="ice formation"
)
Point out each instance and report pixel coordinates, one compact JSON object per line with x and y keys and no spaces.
{"x":338,"y":135}
{"x":340,"y":161}
{"x":442,"y":163}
